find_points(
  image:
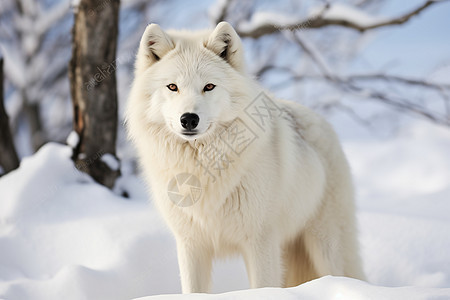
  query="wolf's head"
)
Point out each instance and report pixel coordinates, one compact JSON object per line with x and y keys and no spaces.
{"x":190,"y":79}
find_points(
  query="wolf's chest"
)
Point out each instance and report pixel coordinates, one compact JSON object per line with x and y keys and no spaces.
{"x":225,"y":224}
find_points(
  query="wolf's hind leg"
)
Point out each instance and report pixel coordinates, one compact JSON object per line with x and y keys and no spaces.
{"x":297,"y":264}
{"x":333,"y":248}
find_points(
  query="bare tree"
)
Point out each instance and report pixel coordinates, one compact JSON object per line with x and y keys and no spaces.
{"x":93,"y":88}
{"x":8,"y":158}
{"x":34,"y":47}
{"x":324,"y":18}
{"x":304,"y":31}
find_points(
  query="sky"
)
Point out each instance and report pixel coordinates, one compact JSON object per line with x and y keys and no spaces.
{"x":417,"y":47}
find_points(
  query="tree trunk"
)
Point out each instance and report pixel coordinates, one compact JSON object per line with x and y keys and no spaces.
{"x":93,"y":87}
{"x":8,"y":155}
{"x":33,"y":115}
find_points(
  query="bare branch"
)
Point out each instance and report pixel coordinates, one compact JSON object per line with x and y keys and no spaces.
{"x":352,"y":113}
{"x":314,"y":55}
{"x":322,"y":20}
{"x":403,"y":105}
{"x":219,"y":12}
{"x":52,"y":17}
{"x":394,"y":78}
{"x":269,"y":67}
{"x":347,"y":84}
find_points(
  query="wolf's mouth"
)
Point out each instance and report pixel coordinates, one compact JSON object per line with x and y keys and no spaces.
{"x":193,"y":134}
{"x":189,"y":133}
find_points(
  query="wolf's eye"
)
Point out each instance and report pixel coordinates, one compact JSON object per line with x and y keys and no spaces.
{"x":209,"y":87}
{"x":173,"y":87}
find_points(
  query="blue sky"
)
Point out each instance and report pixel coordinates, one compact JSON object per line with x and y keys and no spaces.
{"x":417,"y":47}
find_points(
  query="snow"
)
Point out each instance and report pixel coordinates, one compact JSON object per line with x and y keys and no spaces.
{"x":336,"y":11}
{"x":340,"y":11}
{"x":265,"y":18}
{"x":111,"y":161}
{"x":216,"y":9}
{"x":73,"y":139}
{"x":63,"y":236}
{"x":327,"y":287}
{"x":75,"y":3}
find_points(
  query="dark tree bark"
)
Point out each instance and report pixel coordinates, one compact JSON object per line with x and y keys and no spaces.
{"x":33,"y":115}
{"x":93,"y":87}
{"x":8,"y":155}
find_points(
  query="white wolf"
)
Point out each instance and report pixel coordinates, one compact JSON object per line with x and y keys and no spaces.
{"x":268,"y":177}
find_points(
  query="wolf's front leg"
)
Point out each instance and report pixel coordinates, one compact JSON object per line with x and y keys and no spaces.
{"x":263,"y":261}
{"x":195,"y":262}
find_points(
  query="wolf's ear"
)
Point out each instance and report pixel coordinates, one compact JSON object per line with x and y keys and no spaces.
{"x":225,"y":42}
{"x":155,"y":43}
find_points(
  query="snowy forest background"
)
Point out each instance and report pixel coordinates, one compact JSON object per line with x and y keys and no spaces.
{"x":378,"y":70}
{"x":376,"y":78}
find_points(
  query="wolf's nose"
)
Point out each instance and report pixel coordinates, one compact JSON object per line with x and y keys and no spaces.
{"x":189,"y":121}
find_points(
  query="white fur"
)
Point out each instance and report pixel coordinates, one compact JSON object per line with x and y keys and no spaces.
{"x":285,"y":203}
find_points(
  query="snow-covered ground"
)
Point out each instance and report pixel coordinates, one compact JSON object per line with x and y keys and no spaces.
{"x":327,"y":287}
{"x":62,"y":236}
